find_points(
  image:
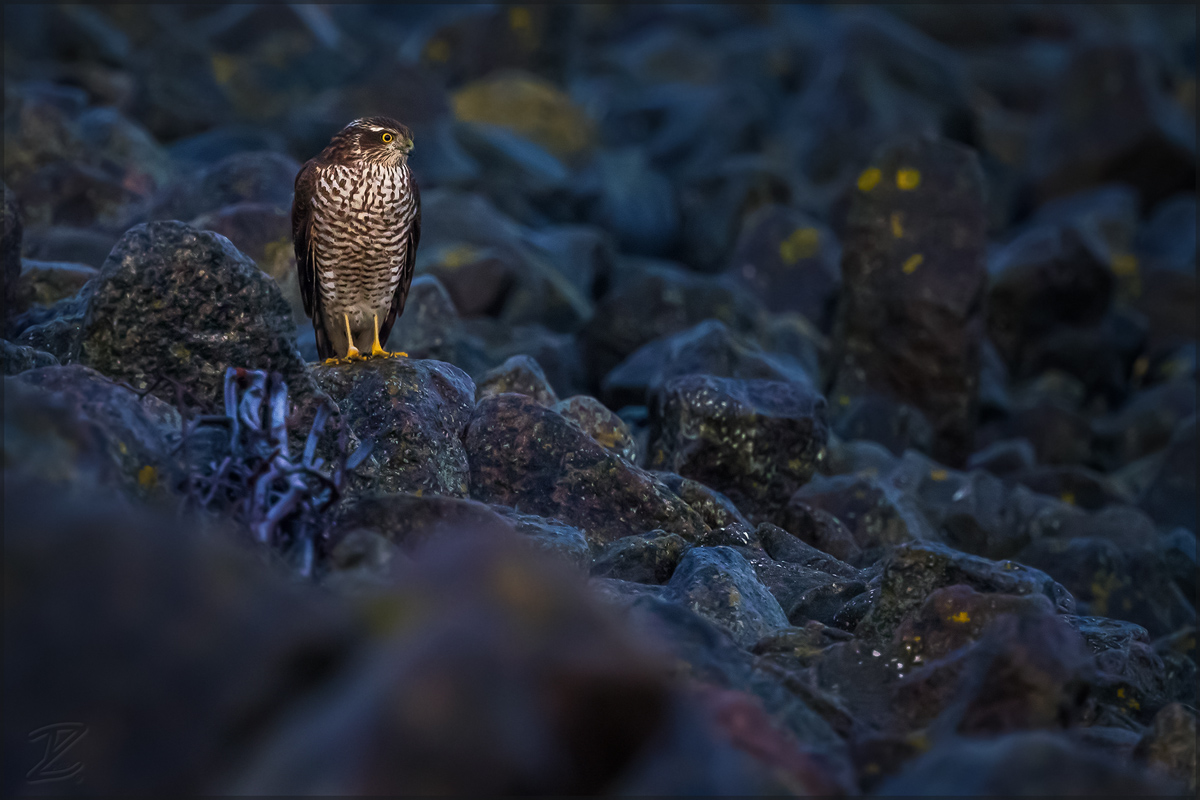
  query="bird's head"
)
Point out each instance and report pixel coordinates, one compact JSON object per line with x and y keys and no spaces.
{"x":380,"y":140}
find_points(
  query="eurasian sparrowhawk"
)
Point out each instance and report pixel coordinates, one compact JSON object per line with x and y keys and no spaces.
{"x":356,"y":222}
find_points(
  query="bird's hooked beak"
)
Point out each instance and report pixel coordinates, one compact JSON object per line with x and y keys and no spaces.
{"x":406,"y":145}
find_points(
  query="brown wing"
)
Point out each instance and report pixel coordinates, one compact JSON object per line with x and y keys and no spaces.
{"x":302,"y":224}
{"x":306,"y":259}
{"x":410,"y":263}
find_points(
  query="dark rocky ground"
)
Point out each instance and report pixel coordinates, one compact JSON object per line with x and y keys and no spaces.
{"x":801,"y":400}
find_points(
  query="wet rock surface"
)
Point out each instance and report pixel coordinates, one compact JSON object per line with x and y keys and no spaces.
{"x":137,"y":436}
{"x":597,"y":421}
{"x":173,"y":302}
{"x":515,"y":446}
{"x":756,"y":441}
{"x":799,"y":400}
{"x":414,"y":414}
{"x":518,"y":375}
{"x":915,"y":222}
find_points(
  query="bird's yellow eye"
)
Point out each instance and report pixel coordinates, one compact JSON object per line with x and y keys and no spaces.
{"x":387,"y":138}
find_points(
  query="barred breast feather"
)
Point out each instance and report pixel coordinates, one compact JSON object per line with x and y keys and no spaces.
{"x":356,"y":228}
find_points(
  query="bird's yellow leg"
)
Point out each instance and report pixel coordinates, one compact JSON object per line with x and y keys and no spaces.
{"x":377,"y":349}
{"x":352,"y":353}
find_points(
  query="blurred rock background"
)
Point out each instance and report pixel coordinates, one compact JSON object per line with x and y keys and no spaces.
{"x":851,"y":351}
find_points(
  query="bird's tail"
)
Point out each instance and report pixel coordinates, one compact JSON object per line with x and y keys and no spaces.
{"x":324,"y":346}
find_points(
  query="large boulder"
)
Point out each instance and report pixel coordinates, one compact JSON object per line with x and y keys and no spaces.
{"x":71,"y":424}
{"x":480,"y":624}
{"x":913,"y":571}
{"x":911,"y":317}
{"x":206,"y":634}
{"x":175,"y":304}
{"x":413,"y":414}
{"x":757,"y":441}
{"x":720,"y":585}
{"x":532,"y":458}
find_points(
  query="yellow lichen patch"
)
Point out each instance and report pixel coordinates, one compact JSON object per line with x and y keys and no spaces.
{"x":960,"y":617}
{"x":1125,"y":264}
{"x":869,"y":178}
{"x":938,"y":474}
{"x":515,"y":588}
{"x":1068,"y":498}
{"x":897,"y":227}
{"x":908,"y":179}
{"x":437,"y":50}
{"x":223,"y":67}
{"x":181,"y":352}
{"x":278,"y":256}
{"x":801,"y":243}
{"x":1121,"y":692}
{"x":606,"y":438}
{"x":919,"y":741}
{"x":384,"y":615}
{"x":911,"y":263}
{"x":122,"y":448}
{"x":459,"y":255}
{"x":735,"y":597}
{"x":519,"y":18}
{"x":844,"y":400}
{"x":529,"y":106}
{"x":147,"y":477}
